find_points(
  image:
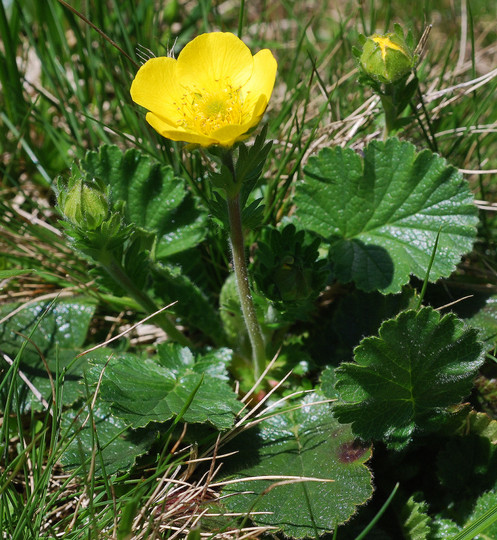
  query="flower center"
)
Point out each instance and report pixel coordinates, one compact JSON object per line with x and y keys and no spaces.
{"x":206,"y":110}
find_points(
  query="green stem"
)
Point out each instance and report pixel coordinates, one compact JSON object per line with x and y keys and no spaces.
{"x":390,"y":111}
{"x":242,"y":281}
{"x":117,"y":273}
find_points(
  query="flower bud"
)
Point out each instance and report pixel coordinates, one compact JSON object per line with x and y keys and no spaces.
{"x":85,"y":205}
{"x":387,"y":58}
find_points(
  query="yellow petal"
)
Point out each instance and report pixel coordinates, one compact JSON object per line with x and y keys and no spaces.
{"x":155,"y":87}
{"x":213,"y":57}
{"x":178,"y":134}
{"x":229,"y":135}
{"x":261,"y":83}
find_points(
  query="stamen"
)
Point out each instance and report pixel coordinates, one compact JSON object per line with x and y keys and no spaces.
{"x":207,"y":110}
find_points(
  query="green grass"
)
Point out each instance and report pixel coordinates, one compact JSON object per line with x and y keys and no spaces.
{"x":65,"y":90}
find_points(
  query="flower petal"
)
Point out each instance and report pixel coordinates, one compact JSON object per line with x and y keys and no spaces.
{"x":229,"y":135}
{"x":178,"y":134}
{"x":261,"y":82}
{"x":155,"y":87}
{"x":212,"y":57}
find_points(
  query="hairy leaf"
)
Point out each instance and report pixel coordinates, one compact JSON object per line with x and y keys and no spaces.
{"x":381,"y":214}
{"x":405,"y":379}
{"x":103,"y":438}
{"x":53,"y":333}
{"x":141,"y":390}
{"x":441,"y":529}
{"x":305,"y":442}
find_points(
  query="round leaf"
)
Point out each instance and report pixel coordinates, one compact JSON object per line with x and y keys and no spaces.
{"x":381,"y":214}
{"x":307,"y":442}
{"x":405,"y":379}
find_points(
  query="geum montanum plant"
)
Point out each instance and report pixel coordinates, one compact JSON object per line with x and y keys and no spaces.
{"x":355,"y":228}
{"x":214,"y":93}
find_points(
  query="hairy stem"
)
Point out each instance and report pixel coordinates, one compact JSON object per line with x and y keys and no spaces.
{"x":241,"y":276}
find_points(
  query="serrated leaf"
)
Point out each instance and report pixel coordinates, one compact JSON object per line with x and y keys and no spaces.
{"x":381,"y":214}
{"x":405,"y":379}
{"x":156,"y":200}
{"x":415,"y":520}
{"x":115,"y":447}
{"x":305,"y":442}
{"x":61,"y":331}
{"x":141,"y":390}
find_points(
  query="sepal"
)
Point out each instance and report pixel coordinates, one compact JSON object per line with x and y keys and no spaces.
{"x":83,"y":200}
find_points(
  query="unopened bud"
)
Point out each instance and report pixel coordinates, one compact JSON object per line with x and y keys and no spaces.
{"x":85,"y":205}
{"x":387,"y":58}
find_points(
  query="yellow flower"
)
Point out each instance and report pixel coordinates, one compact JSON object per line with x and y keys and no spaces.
{"x":214,"y":93}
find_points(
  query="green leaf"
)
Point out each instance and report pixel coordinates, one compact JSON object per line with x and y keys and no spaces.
{"x":304,"y":442}
{"x":486,"y":321}
{"x":177,"y":359}
{"x":441,"y":529}
{"x":7,"y":274}
{"x":248,"y":168}
{"x":286,"y":268}
{"x":480,"y":525}
{"x":405,"y":379}
{"x":483,"y":519}
{"x":141,"y":390}
{"x":156,"y":200}
{"x":381,"y":214}
{"x":415,"y":520}
{"x":185,"y":229}
{"x":328,"y":382}
{"x":116,"y":447}
{"x":61,"y":331}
